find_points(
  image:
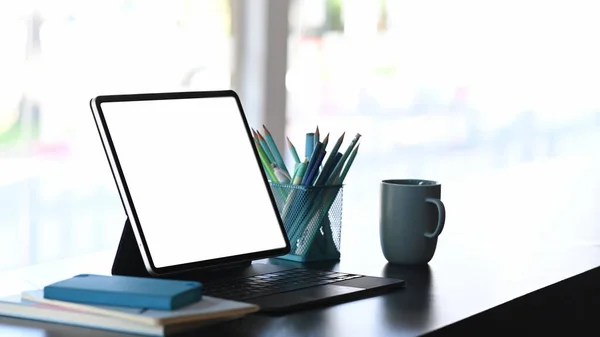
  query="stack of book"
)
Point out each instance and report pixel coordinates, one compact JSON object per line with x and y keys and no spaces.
{"x":32,"y":305}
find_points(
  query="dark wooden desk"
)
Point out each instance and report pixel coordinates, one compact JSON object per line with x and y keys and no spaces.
{"x":507,"y":238}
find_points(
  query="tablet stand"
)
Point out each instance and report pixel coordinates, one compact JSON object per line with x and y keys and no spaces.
{"x":128,"y":260}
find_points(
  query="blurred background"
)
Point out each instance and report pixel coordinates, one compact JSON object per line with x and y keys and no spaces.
{"x":449,"y":90}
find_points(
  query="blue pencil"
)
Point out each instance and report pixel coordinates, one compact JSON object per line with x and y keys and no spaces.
{"x":311,"y":162}
{"x":315,"y":168}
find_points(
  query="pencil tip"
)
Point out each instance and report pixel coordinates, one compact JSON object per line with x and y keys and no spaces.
{"x":326,"y":138}
{"x":266,"y":130}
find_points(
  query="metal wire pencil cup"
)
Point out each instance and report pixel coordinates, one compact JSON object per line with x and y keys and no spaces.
{"x":312,"y":217}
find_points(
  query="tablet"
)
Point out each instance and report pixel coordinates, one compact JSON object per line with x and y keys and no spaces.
{"x":190,"y":179}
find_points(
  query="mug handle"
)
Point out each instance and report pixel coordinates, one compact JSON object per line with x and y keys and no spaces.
{"x":441,"y":217}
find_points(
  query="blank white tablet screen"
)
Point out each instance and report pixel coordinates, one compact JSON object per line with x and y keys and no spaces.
{"x":193,"y":178}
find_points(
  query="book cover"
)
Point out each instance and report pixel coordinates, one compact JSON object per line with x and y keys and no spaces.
{"x":126,"y":291}
{"x":18,"y":307}
{"x":208,"y":308}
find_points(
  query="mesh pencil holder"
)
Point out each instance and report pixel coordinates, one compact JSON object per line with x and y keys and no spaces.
{"x":312,"y":217}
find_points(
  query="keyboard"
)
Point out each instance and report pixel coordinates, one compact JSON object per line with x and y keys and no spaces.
{"x":268,"y":284}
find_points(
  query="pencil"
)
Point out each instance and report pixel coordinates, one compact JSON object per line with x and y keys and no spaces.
{"x":315,"y":168}
{"x":265,"y":162}
{"x":326,"y":171}
{"x":265,"y":147}
{"x":312,"y":161}
{"x":340,"y":180}
{"x":338,"y":167}
{"x":329,"y":165}
{"x":317,"y":137}
{"x":274,"y":150}
{"x":325,"y":141}
{"x":293,"y":151}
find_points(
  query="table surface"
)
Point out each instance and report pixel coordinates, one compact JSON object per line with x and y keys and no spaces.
{"x":506,"y":235}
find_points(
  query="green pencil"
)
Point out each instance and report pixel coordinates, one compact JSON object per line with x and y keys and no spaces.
{"x":265,"y":147}
{"x":265,"y":162}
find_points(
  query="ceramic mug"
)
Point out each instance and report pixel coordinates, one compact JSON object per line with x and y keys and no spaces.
{"x":412,"y":216}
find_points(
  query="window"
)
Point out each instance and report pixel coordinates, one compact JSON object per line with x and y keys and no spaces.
{"x":443,"y":90}
{"x":57,"y":196}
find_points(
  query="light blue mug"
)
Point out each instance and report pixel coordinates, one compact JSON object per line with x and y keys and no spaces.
{"x":412,"y":216}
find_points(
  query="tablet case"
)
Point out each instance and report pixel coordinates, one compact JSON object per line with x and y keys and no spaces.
{"x":128,"y":261}
{"x":125,"y":291}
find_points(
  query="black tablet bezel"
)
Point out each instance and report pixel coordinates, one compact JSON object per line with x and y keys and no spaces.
{"x":128,"y":203}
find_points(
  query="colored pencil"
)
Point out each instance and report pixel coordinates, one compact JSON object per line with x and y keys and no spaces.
{"x":325,"y":141}
{"x":326,"y":171}
{"x":340,"y":164}
{"x":312,"y":161}
{"x":317,"y":137}
{"x":265,"y":147}
{"x":315,"y":168}
{"x":265,"y":162}
{"x":293,"y":151}
{"x":329,"y":165}
{"x":274,"y":149}
{"x":340,"y":180}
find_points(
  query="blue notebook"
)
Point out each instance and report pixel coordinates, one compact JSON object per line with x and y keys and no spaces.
{"x":125,"y":291}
